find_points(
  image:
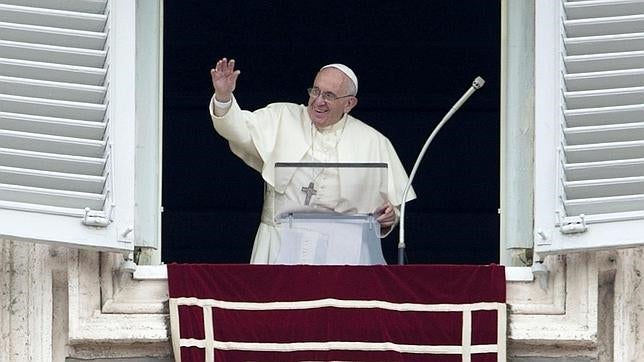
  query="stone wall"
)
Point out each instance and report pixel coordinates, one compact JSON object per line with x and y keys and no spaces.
{"x":60,"y":304}
{"x":57,"y":303}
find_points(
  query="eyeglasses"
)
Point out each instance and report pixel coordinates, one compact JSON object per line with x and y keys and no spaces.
{"x":327,"y":96}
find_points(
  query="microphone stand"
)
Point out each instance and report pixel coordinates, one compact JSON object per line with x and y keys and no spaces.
{"x":476,"y":84}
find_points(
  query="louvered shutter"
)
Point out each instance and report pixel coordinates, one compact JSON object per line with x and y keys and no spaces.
{"x":590,"y":102}
{"x":66,"y":122}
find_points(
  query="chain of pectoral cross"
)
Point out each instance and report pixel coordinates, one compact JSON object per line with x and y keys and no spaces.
{"x":310,"y":190}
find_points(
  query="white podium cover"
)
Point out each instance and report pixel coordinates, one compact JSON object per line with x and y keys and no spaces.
{"x":325,"y":212}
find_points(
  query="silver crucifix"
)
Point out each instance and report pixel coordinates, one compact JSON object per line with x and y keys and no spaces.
{"x":309,"y":191}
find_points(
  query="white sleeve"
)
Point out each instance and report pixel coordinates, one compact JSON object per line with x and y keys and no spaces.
{"x":220,"y":108}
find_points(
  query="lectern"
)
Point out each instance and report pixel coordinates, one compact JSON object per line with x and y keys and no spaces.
{"x":326,"y":212}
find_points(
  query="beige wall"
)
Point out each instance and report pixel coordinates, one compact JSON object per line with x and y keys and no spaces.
{"x":57,"y":303}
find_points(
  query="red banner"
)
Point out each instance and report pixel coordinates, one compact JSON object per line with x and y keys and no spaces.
{"x":337,"y":313}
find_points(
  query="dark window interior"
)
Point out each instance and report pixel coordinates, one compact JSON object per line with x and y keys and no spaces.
{"x":414,"y":59}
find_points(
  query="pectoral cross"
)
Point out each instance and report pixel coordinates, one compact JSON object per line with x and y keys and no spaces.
{"x":309,"y":191}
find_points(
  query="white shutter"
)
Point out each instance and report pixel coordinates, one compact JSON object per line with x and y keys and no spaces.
{"x":590,"y":107}
{"x":65,"y":94}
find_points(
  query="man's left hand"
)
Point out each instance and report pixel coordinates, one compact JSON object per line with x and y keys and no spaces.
{"x":387,"y":215}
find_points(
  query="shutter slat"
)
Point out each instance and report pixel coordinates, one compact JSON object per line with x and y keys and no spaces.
{"x":52,"y":180}
{"x":603,"y":62}
{"x":624,"y":78}
{"x":602,"y":8}
{"x":50,"y":197}
{"x":604,"y":97}
{"x":52,"y":54}
{"x":604,"y":188}
{"x":604,"y":133}
{"x":604,"y":151}
{"x":605,"y":205}
{"x":604,"y":169}
{"x":51,"y":90}
{"x":604,"y":44}
{"x":51,"y":126}
{"x":52,"y":36}
{"x":604,"y":26}
{"x":53,"y":108}
{"x":52,"y":162}
{"x":87,"y":6}
{"x":52,"y":72}
{"x":52,"y":18}
{"x":52,"y":144}
{"x":604,"y":115}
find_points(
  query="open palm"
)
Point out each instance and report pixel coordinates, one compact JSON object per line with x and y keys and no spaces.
{"x":224,"y":79}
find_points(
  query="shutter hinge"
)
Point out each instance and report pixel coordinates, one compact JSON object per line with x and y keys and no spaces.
{"x":572,"y":224}
{"x":97,"y":218}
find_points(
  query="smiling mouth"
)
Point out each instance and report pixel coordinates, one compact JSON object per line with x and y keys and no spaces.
{"x":318,"y":113}
{"x":321,"y":110}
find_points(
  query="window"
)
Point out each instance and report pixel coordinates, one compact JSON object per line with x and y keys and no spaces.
{"x":589,"y":126}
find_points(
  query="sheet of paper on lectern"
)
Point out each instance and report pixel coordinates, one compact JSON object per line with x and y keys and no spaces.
{"x":320,"y":243}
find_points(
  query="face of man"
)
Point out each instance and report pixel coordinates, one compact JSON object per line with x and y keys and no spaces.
{"x":323,"y":112}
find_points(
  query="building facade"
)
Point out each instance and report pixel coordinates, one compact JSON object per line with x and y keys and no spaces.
{"x":572,"y":121}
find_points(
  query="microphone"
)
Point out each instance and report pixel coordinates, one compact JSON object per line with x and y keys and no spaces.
{"x":476,"y":84}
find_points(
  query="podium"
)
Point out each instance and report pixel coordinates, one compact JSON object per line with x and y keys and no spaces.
{"x":325,"y":213}
{"x":329,"y":239}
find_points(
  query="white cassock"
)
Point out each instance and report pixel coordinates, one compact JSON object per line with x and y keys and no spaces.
{"x":283,"y":132}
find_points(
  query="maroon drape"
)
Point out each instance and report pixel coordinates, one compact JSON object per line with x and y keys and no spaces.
{"x":417,"y":284}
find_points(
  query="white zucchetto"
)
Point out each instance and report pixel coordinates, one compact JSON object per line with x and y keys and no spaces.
{"x":347,"y":71}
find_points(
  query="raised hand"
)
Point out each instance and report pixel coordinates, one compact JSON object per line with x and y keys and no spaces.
{"x":224,"y":79}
